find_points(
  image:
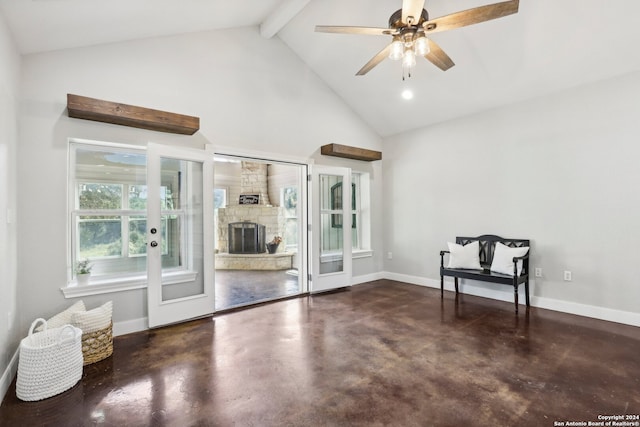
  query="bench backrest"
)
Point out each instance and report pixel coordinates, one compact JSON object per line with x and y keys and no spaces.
{"x":488,"y":246}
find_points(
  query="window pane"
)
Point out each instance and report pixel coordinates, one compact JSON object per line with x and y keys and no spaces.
{"x":137,"y":235}
{"x":290,"y":201}
{"x":99,"y":236}
{"x":110,"y":180}
{"x":219,"y":198}
{"x":106,"y":164}
{"x":331,"y":223}
{"x":100,"y":196}
{"x":171,"y":183}
{"x":291,"y":232}
{"x":138,"y":197}
{"x":171,"y":232}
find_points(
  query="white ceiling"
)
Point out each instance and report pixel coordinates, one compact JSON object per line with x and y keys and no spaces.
{"x":549,"y":46}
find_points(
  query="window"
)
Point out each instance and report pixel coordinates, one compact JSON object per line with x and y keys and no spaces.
{"x":362,"y":214}
{"x":360,"y":223}
{"x":360,"y":209}
{"x":289,"y":200}
{"x":219,"y":198}
{"x":108,"y":211}
{"x":336,"y":203}
{"x":219,"y":201}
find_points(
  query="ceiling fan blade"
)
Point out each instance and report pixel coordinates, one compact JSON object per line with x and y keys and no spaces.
{"x":368,"y":31}
{"x":412,"y":8}
{"x":437,"y":57}
{"x":471,"y":16}
{"x":380,"y":56}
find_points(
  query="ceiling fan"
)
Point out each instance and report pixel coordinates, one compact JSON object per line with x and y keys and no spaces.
{"x":410,"y":26}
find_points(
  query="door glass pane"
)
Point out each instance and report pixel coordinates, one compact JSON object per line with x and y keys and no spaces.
{"x":331,"y":220}
{"x":182,"y":232}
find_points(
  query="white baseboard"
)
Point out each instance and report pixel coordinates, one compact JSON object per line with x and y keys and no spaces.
{"x":357,"y":280}
{"x":130,"y":326}
{"x":602,"y":313}
{"x":488,"y":290}
{"x":9,"y":374}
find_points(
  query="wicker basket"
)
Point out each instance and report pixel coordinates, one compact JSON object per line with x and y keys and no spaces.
{"x":50,"y":362}
{"x":97,"y":345}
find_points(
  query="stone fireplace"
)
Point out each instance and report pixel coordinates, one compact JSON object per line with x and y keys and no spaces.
{"x":237,"y":218}
{"x":246,"y":238}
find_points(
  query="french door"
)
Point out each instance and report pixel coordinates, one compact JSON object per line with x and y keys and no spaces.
{"x":331,"y":228}
{"x":180,"y":235}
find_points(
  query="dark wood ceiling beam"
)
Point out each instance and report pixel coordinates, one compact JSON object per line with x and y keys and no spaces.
{"x":81,"y":107}
{"x":349,"y":152}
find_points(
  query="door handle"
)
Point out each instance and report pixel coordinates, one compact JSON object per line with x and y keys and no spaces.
{"x":154,"y":243}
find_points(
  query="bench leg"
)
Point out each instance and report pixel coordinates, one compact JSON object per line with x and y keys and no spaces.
{"x":441,"y":286}
{"x":456,"y":282}
{"x":526,"y":290}
{"x":515,"y":295}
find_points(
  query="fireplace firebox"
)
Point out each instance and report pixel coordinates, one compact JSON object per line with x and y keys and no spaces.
{"x":246,"y":238}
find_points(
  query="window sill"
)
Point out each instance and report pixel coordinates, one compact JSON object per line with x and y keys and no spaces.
{"x":358,"y":253}
{"x":121,"y":284}
{"x":361,"y":253}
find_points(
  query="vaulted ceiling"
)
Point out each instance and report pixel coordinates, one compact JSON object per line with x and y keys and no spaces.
{"x":548,"y":46}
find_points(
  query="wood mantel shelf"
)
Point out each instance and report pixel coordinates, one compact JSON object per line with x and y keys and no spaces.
{"x":81,"y":107}
{"x":349,"y":152}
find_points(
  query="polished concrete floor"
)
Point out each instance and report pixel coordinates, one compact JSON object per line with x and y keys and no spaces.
{"x":235,"y":288}
{"x":379,"y":354}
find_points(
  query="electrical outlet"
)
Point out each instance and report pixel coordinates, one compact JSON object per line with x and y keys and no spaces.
{"x":567,"y":276}
{"x":538,"y":272}
{"x":389,"y":255}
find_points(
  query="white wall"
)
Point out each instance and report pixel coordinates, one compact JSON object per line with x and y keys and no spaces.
{"x":561,"y":170}
{"x":10,"y":332}
{"x":249,"y":92}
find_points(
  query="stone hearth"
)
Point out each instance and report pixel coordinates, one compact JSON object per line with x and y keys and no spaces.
{"x":278,"y":261}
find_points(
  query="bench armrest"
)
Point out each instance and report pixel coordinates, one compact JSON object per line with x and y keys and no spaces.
{"x":515,"y":262}
{"x":442,"y":257}
{"x":516,"y":258}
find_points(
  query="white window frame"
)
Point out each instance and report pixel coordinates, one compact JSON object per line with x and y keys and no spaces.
{"x":116,"y":282}
{"x":363,"y":214}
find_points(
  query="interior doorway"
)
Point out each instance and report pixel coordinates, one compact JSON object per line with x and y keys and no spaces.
{"x":260,"y":230}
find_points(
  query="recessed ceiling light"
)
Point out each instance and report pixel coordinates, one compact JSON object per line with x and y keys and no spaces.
{"x":407,"y":94}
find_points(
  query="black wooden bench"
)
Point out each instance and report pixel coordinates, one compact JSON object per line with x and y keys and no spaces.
{"x":487,"y":245}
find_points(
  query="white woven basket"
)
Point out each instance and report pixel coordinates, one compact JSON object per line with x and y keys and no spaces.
{"x":50,"y":362}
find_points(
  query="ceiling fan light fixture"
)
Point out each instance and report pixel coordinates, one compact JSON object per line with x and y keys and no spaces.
{"x":409,"y":59}
{"x":422,"y":45}
{"x":397,"y":49}
{"x":409,"y":33}
{"x":408,"y":36}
